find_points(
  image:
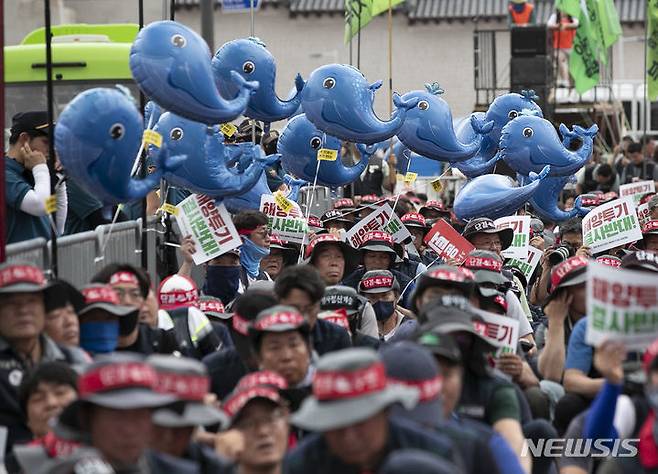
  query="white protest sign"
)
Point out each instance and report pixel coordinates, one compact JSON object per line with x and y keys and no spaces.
{"x":643,"y":214}
{"x":209,"y":225}
{"x":637,"y":190}
{"x":527,"y":265}
{"x":383,"y":219}
{"x":611,"y":225}
{"x":501,"y":331}
{"x":521,"y":240}
{"x":622,"y":305}
{"x":285,"y":218}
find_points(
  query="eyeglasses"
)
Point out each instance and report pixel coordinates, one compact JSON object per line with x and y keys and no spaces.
{"x":129,"y":293}
{"x":253,"y":423}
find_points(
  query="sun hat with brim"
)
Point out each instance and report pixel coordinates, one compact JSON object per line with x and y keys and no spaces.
{"x":414,"y":366}
{"x":571,"y":272}
{"x":104,"y":297}
{"x":278,"y":318}
{"x":212,"y":306}
{"x":650,"y":228}
{"x":187,"y":380}
{"x":443,"y":276}
{"x":378,"y":241}
{"x":321,"y":240}
{"x":484,"y":225}
{"x":436,"y":206}
{"x":486,"y":266}
{"x":119,"y":381}
{"x":415,"y":220}
{"x":378,"y":281}
{"x":236,"y":401}
{"x":334,"y":215}
{"x":640,"y":260}
{"x":21,"y":277}
{"x":442,"y":345}
{"x":349,"y":386}
{"x":344,"y":204}
{"x":341,"y":297}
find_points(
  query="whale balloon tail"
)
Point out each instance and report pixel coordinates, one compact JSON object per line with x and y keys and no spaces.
{"x":580,"y":131}
{"x":404,"y":104}
{"x":299,"y":82}
{"x":480,"y":126}
{"x":271,"y":160}
{"x":243,"y":83}
{"x":375,"y":85}
{"x":530,"y":94}
{"x":578,"y":206}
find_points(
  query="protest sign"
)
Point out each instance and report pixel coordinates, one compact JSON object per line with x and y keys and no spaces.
{"x":611,"y":225}
{"x":643,"y":214}
{"x":383,"y":219}
{"x":500,"y":331}
{"x":637,"y":190}
{"x":527,"y":265}
{"x":622,"y":306}
{"x":447,"y":242}
{"x":209,"y":225}
{"x":521,"y":240}
{"x":285,"y":219}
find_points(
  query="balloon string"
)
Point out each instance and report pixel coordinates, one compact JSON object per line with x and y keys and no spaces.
{"x":310,"y":202}
{"x":397,"y":197}
{"x":137,"y":161}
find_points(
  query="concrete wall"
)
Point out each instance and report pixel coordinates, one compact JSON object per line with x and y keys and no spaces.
{"x":422,"y":52}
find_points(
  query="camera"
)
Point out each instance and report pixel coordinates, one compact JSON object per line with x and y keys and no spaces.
{"x":560,"y":254}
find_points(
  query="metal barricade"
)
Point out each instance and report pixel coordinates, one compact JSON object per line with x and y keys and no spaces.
{"x":33,"y":251}
{"x":76,"y":256}
{"x":322,"y":199}
{"x":120,"y":242}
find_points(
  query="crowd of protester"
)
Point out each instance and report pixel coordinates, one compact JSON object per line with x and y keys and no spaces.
{"x":321,"y":358}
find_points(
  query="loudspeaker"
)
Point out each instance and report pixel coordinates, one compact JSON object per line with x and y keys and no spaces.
{"x":537,"y":70}
{"x":531,"y":40}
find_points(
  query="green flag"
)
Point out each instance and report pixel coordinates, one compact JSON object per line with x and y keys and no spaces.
{"x":380,"y":6}
{"x":610,"y":26}
{"x":357,"y":15}
{"x":652,"y":50}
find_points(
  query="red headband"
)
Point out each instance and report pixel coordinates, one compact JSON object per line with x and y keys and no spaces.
{"x":236,"y":403}
{"x":428,"y":389}
{"x":264,"y":377}
{"x":561,"y":271}
{"x":378,"y":236}
{"x":185,"y":387}
{"x":21,"y":274}
{"x":124,"y":277}
{"x":282,"y":317}
{"x":100,"y":294}
{"x":117,"y":376}
{"x":377,"y":282}
{"x":208,"y":306}
{"x":344,"y":385}
{"x":611,"y":262}
{"x":483,"y":263}
{"x":462,"y":274}
{"x":650,"y":226}
{"x":240,"y":325}
{"x":178,"y":299}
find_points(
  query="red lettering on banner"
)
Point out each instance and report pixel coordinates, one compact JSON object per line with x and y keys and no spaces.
{"x":342,"y":385}
{"x":186,"y":387}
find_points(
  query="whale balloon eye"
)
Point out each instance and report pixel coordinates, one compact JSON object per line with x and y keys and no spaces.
{"x":315,"y":143}
{"x":176,"y":133}
{"x":248,"y":67}
{"x":179,"y":41}
{"x":528,"y":132}
{"x":513,"y":114}
{"x":423,"y":105}
{"x":116,"y":131}
{"x":329,"y":83}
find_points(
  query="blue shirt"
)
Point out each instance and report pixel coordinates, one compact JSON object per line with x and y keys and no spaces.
{"x":21,"y":225}
{"x":579,"y":353}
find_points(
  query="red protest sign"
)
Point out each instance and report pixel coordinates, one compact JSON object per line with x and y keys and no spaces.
{"x":447,"y":242}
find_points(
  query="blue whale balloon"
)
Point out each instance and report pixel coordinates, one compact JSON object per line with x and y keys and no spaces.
{"x":251,"y":59}
{"x":503,"y":109}
{"x":294,"y":185}
{"x":408,"y":161}
{"x":206,"y":169}
{"x":428,"y":128}
{"x":494,"y":196}
{"x":528,"y":143}
{"x":171,"y":65}
{"x":544,"y":201}
{"x":298,"y":145}
{"x":249,"y":200}
{"x":97,"y":138}
{"x":338,"y":100}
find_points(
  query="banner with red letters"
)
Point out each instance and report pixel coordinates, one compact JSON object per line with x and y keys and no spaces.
{"x":611,"y":225}
{"x":448,"y":243}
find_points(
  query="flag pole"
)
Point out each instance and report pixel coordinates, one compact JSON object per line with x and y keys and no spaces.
{"x":390,"y":72}
{"x":358,"y":37}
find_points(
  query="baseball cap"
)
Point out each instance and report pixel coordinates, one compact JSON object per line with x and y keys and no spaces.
{"x":261,"y":385}
{"x":31,"y":122}
{"x":571,"y":272}
{"x":349,"y":386}
{"x":378,"y":241}
{"x":484,"y":225}
{"x":278,"y":318}
{"x":104,"y":297}
{"x":444,"y":276}
{"x":19,"y":277}
{"x":341,"y":297}
{"x":314,"y":223}
{"x":334,"y":215}
{"x":414,"y":219}
{"x":640,"y":260}
{"x":320,"y":240}
{"x":378,"y":281}
{"x":214,"y":307}
{"x":436,"y":206}
{"x":486,"y":266}
{"x":370,"y":199}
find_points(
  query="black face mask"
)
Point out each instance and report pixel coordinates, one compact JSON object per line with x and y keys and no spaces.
{"x":128,"y":323}
{"x":222,"y":282}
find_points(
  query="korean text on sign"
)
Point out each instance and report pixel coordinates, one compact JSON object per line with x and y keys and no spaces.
{"x":611,"y":225}
{"x":521,"y":240}
{"x":622,"y":305}
{"x":382,"y":219}
{"x":500,"y":331}
{"x":527,"y":265}
{"x":209,"y":225}
{"x":287,"y":225}
{"x":447,"y":242}
{"x":637,"y":190}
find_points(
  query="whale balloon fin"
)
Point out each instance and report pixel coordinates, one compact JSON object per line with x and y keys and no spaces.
{"x":169,"y":163}
{"x":375,"y":85}
{"x":243,"y":83}
{"x":529,"y":94}
{"x":404,"y":104}
{"x":299,"y":82}
{"x":479,"y":125}
{"x":565,"y":132}
{"x":544,"y":172}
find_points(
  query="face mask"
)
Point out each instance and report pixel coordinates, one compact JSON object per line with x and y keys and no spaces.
{"x":251,"y":255}
{"x":222,"y":282}
{"x":128,"y":323}
{"x":383,"y":310}
{"x":99,"y":337}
